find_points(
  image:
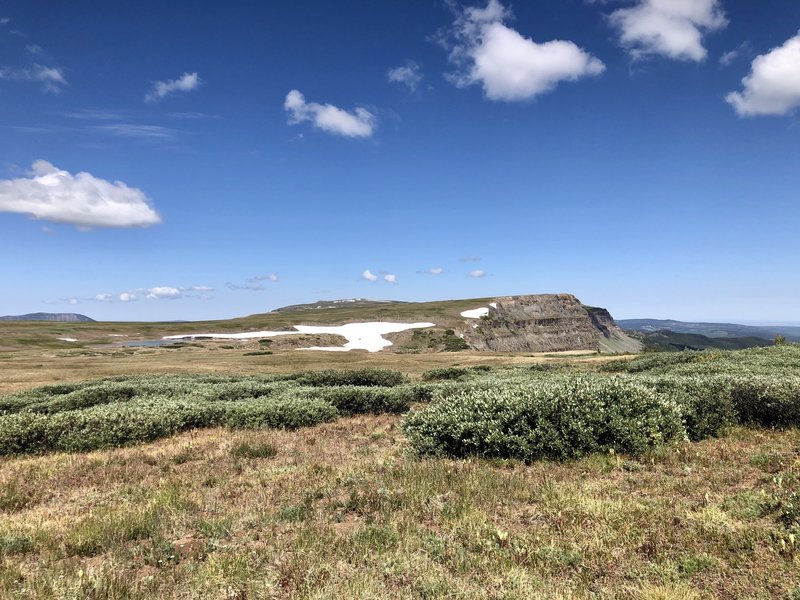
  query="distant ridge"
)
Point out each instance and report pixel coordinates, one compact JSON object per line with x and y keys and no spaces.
{"x":712,"y":330}
{"x":348,"y":302}
{"x":40,"y":316}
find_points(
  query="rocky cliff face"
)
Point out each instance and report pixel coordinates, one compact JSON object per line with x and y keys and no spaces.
{"x":546,"y":323}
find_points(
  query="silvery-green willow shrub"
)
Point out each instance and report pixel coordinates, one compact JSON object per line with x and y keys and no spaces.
{"x":706,"y":403}
{"x":558,"y":418}
{"x":360,"y":377}
{"x":144,"y":420}
{"x":353,"y":399}
{"x":767,"y":401}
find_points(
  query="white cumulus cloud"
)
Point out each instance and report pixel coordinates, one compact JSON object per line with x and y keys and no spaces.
{"x":82,"y":200}
{"x":477,"y":273}
{"x":161,"y":89}
{"x":164,"y":292}
{"x":408,"y":75}
{"x":508,"y":65}
{"x":390,"y":278}
{"x":773,"y":85}
{"x":127,"y":297}
{"x":670,"y":28}
{"x":103,"y":297}
{"x":327,"y":117}
{"x":369,"y":275}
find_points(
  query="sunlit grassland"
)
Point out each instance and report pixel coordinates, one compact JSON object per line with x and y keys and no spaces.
{"x":342,"y":511}
{"x":347,"y":509}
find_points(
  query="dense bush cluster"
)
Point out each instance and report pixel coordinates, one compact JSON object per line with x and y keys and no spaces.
{"x":550,"y":411}
{"x":360,"y":377}
{"x":564,"y":417}
{"x":118,"y":411}
{"x":629,"y":405}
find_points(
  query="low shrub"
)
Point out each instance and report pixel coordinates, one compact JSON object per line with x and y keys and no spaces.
{"x":770,"y":402}
{"x":360,"y":377}
{"x":279,"y":413}
{"x":651,"y":362}
{"x":559,"y":418}
{"x":705,"y":402}
{"x":352,"y":400}
{"x":445,"y":374}
{"x":139,"y":421}
{"x":254,"y":450}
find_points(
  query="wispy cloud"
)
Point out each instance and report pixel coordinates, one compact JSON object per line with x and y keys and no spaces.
{"x":669,"y":28}
{"x":254,"y":284}
{"x":83,"y":200}
{"x":161,"y":89}
{"x":467,"y":259}
{"x":432,"y":271}
{"x":477,"y":273}
{"x":390,"y":278}
{"x":329,"y":118}
{"x":51,"y":79}
{"x":773,"y":85}
{"x":742,"y":51}
{"x":508,"y":65}
{"x":94,"y":114}
{"x":134,"y":130}
{"x":36,"y":66}
{"x":408,"y":75}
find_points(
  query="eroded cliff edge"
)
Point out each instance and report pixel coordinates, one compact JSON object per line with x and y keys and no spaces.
{"x":546,"y":323}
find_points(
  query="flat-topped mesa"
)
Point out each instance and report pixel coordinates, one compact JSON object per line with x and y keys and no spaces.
{"x":546,"y":323}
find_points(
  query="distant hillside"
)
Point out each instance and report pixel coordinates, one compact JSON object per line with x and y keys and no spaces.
{"x":345,"y":303}
{"x":62,"y":317}
{"x":671,"y":341}
{"x":712,"y":330}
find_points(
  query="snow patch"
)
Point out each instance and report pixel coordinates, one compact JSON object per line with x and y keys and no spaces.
{"x":360,"y":336}
{"x":475,"y":313}
{"x":68,"y":339}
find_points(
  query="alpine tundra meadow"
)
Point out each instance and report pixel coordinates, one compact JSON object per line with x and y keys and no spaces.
{"x":465,"y":299}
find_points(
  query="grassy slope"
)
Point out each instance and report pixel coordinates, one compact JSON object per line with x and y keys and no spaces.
{"x":14,"y":335}
{"x":341,"y":512}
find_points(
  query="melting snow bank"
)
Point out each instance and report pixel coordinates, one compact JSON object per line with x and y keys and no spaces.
{"x":475,"y":313}
{"x":360,"y":336}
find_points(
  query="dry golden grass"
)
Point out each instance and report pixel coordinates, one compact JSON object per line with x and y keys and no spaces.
{"x":340,"y":511}
{"x":30,"y":367}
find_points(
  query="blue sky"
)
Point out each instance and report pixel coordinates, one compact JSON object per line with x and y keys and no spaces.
{"x":642,"y":155}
